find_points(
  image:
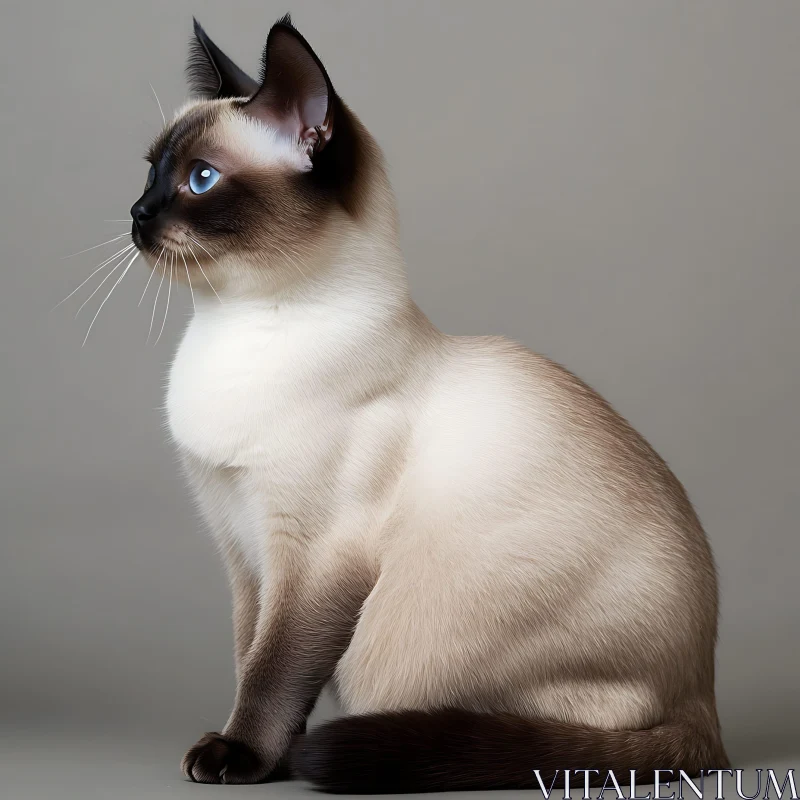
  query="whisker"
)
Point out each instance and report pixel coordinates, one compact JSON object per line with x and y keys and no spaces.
{"x":152,"y":272}
{"x":189,"y":278}
{"x":201,"y":267}
{"x":104,"y":264}
{"x":94,"y":247}
{"x":201,"y":246}
{"x":292,"y":263}
{"x":116,"y":267}
{"x":155,"y":302}
{"x":166,"y":310}
{"x":97,"y":313}
{"x":163,"y":118}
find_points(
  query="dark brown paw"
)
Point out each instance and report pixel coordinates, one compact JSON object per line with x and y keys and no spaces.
{"x":216,"y":759}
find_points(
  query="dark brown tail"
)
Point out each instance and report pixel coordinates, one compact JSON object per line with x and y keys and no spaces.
{"x":450,"y":749}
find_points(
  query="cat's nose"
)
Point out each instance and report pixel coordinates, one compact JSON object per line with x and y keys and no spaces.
{"x":143,"y":212}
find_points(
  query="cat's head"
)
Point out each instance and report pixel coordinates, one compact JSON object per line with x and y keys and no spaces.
{"x":250,"y":177}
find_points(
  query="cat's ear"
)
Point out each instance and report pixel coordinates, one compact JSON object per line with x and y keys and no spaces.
{"x":211,"y":73}
{"x":296,"y":95}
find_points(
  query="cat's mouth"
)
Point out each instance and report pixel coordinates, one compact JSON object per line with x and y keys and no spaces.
{"x":169,"y":243}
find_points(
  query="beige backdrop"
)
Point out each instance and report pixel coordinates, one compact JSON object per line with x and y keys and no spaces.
{"x":616,"y":184}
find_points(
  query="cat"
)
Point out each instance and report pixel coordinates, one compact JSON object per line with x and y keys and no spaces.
{"x":492,"y":569}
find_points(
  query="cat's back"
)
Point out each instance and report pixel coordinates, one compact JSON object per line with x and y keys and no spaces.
{"x":497,"y":384}
{"x":509,"y":418}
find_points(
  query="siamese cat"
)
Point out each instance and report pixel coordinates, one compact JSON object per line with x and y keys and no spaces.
{"x":494,"y":571}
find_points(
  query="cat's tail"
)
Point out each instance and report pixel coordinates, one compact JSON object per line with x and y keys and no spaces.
{"x":451,"y":749}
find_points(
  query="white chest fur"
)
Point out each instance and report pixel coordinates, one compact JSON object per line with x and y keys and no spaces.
{"x":252,"y":396}
{"x":272,"y":403}
{"x":247,"y":379}
{"x":297,"y":415}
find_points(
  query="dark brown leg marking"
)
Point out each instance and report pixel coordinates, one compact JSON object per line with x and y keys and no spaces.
{"x":290,"y":659}
{"x":244,"y":591}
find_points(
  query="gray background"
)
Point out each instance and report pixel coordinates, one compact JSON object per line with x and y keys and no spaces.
{"x":616,"y":184}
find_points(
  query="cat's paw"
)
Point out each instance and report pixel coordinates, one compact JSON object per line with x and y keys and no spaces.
{"x":217,"y":759}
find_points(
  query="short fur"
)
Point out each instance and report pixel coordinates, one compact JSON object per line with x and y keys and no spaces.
{"x":494,"y":570}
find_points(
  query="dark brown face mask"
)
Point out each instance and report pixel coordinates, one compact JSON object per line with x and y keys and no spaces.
{"x":205,"y":196}
{"x":294,"y":97}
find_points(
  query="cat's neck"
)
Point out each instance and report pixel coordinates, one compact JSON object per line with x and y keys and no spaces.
{"x":352,"y":270}
{"x":351,"y":303}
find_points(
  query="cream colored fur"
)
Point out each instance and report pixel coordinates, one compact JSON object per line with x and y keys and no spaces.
{"x":528,"y":551}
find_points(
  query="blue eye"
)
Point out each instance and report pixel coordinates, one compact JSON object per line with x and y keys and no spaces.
{"x":202,"y":177}
{"x":151,"y":178}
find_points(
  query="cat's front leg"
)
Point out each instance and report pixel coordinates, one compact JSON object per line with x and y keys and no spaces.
{"x":306,"y":623}
{"x":245,"y":590}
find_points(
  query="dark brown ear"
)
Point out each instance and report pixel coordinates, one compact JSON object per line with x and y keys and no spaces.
{"x":211,"y":73}
{"x":296,"y":95}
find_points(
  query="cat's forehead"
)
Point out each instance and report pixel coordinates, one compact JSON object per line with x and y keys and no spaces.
{"x":222,"y":130}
